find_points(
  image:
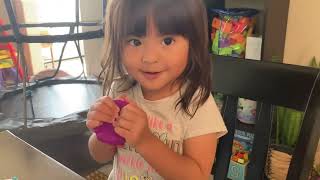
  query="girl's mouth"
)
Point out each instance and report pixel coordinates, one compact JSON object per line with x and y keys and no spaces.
{"x":151,"y":75}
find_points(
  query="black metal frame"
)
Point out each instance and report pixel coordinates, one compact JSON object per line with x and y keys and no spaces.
{"x":269,"y":83}
{"x":19,"y":38}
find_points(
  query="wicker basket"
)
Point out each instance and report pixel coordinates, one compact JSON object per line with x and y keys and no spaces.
{"x":278,"y":162}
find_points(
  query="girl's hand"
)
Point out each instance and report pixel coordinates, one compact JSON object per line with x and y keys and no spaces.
{"x":132,"y":124}
{"x":103,"y":110}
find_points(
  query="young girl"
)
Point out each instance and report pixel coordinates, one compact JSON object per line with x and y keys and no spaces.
{"x":156,"y":58}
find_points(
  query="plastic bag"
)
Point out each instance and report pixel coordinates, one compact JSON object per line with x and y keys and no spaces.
{"x":230,"y":28}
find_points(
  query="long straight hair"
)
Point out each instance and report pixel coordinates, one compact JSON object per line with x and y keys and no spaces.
{"x":181,"y":17}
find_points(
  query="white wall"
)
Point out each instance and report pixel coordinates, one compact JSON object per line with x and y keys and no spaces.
{"x":303,"y":32}
{"x":3,"y":12}
{"x":31,"y":15}
{"x":35,"y":51}
{"x":92,"y":11}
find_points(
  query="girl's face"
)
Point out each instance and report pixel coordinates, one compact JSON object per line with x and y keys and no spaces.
{"x":156,"y":61}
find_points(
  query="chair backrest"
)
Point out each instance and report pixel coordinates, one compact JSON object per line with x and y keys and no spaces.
{"x":270,"y":84}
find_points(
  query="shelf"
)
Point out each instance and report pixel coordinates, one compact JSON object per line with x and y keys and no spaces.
{"x":244,"y":127}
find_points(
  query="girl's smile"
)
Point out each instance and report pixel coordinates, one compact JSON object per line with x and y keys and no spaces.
{"x":151,"y":75}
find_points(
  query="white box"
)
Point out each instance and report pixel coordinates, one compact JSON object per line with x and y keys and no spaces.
{"x":253,"y":48}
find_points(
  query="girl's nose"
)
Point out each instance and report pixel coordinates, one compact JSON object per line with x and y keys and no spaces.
{"x":150,"y":53}
{"x":149,"y":60}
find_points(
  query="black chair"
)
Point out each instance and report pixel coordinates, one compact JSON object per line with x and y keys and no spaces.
{"x":270,"y":84}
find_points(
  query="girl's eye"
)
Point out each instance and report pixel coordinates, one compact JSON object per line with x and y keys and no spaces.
{"x":135,"y":42}
{"x":167,"y":41}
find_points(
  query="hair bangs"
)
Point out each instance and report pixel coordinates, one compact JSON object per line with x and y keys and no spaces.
{"x":135,"y":18}
{"x":169,"y":17}
{"x":172,"y":18}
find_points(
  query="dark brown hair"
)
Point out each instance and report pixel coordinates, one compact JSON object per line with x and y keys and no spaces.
{"x":182,"y":17}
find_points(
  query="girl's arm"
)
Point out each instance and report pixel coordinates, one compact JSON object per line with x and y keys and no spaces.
{"x":195,"y":163}
{"x":99,"y":151}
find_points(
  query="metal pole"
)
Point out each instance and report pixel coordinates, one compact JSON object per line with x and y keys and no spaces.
{"x":23,"y":63}
{"x":17,"y":35}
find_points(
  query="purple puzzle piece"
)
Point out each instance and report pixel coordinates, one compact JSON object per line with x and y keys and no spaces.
{"x":224,"y":43}
{"x":105,"y":133}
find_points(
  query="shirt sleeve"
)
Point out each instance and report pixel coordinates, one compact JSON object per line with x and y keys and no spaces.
{"x":206,"y":120}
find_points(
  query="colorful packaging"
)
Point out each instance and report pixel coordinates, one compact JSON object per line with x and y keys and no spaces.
{"x":230,"y":28}
{"x":246,"y":110}
{"x":241,"y":149}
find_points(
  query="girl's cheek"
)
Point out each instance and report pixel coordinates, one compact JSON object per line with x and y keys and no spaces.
{"x":132,"y":52}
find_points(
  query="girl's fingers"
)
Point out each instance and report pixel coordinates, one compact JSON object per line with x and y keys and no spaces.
{"x":127,"y":113}
{"x":123,"y":123}
{"x":127,"y":99}
{"x":106,"y":103}
{"x":91,"y":124}
{"x":132,"y":112}
{"x":105,"y":106}
{"x":122,"y":132}
{"x":133,"y":104}
{"x":99,"y":116}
